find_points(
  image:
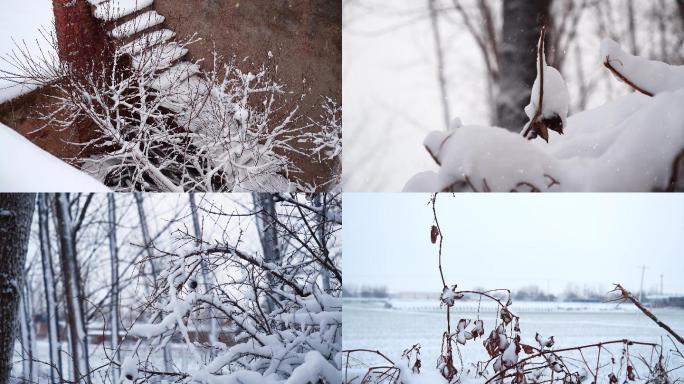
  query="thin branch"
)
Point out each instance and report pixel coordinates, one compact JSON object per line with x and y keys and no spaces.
{"x":626,"y":295}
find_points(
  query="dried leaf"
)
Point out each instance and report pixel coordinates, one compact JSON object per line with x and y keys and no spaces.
{"x":506,"y":316}
{"x":612,"y":379}
{"x":434,"y":232}
{"x":630,"y":373}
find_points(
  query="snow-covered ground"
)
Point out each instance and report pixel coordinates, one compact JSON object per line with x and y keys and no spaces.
{"x":25,"y":167}
{"x":391,"y":331}
{"x":21,"y":23}
{"x":490,"y":307}
{"x":98,"y":357}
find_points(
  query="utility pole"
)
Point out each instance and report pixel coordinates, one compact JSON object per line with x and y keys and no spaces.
{"x":661,"y":285}
{"x":641,"y":286}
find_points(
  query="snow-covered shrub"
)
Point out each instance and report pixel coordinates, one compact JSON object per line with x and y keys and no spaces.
{"x":633,"y":143}
{"x":327,"y":139}
{"x":159,"y":126}
{"x":275,"y":316}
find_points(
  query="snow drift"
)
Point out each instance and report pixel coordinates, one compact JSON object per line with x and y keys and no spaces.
{"x":24,"y":167}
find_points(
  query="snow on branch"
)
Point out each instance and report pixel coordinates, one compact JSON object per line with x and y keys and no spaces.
{"x":646,"y":76}
{"x":158,"y":124}
{"x":278,"y":321}
{"x":546,"y":112}
{"x":633,"y":143}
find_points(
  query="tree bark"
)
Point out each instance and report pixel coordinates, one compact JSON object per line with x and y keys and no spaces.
{"x":522,"y":20}
{"x":16,"y":214}
{"x":265,"y":207}
{"x":72,"y":288}
{"x":441,"y":79}
{"x":213,"y":335}
{"x":147,"y":240}
{"x":27,"y":332}
{"x":114,"y":303}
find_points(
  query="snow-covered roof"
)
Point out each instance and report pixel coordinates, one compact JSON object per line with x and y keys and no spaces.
{"x":25,"y":167}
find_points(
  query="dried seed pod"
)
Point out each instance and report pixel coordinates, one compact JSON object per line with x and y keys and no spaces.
{"x":192,"y":284}
{"x":434,"y":232}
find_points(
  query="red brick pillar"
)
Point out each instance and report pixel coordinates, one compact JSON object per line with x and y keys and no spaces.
{"x":81,"y":42}
{"x":80,"y":36}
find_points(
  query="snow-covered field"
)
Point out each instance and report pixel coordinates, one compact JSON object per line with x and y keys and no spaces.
{"x":369,"y":325}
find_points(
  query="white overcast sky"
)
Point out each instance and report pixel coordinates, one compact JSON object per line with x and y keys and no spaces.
{"x":513,"y":240}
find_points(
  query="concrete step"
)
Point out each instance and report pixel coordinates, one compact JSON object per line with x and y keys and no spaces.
{"x":160,"y":57}
{"x":138,"y":24}
{"x":147,"y":40}
{"x":179,"y":101}
{"x":178,"y":73}
{"x":111,"y":10}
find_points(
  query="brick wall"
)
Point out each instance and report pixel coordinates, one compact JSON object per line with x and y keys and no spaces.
{"x":80,"y":37}
{"x":304,"y":36}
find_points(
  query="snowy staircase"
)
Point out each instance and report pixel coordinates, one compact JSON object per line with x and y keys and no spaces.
{"x":138,"y":28}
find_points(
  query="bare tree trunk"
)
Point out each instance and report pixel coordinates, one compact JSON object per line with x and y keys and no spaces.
{"x":264,"y":204}
{"x":147,"y":240}
{"x":50,"y":288}
{"x":213,"y":335}
{"x":16,"y":214}
{"x":441,"y":79}
{"x":27,"y":333}
{"x":632,"y":27}
{"x":521,"y":22}
{"x":114,"y":303}
{"x":321,"y":203}
{"x":72,"y":288}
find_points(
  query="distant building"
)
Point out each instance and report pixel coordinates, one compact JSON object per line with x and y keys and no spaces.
{"x":659,"y":301}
